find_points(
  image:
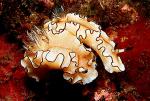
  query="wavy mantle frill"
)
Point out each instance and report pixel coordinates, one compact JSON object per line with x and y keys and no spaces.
{"x":67,"y":44}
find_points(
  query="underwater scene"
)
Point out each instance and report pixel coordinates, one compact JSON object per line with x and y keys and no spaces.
{"x":74,"y":50}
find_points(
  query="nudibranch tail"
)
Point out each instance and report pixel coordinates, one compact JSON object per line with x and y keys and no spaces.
{"x":60,"y":45}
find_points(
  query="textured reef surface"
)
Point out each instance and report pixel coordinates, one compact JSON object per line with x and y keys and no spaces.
{"x":126,"y":22}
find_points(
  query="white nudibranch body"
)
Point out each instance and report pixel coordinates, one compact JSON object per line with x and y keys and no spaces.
{"x":60,"y":44}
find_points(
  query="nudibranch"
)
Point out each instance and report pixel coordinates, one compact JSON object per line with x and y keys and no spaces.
{"x":62,"y":45}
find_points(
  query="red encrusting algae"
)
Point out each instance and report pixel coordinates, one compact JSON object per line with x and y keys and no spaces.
{"x":12,"y":86}
{"x":135,"y":38}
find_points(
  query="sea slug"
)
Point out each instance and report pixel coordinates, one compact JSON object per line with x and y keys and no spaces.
{"x":62,"y":45}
